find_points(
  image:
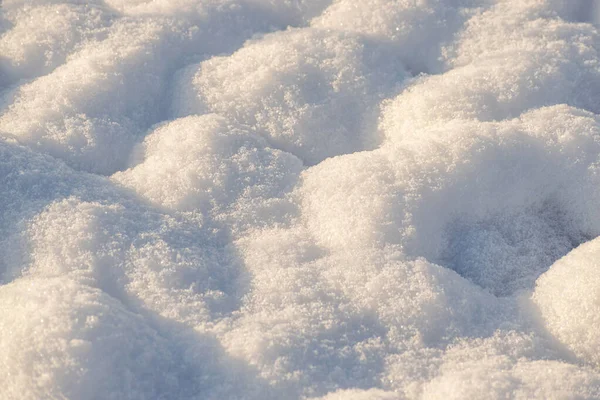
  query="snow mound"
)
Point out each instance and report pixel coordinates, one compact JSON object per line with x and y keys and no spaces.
{"x":222,"y":171}
{"x":568,"y":296}
{"x":61,"y":339}
{"x":310,"y":92}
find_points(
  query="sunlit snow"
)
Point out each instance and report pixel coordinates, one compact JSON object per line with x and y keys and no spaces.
{"x":299,"y":199}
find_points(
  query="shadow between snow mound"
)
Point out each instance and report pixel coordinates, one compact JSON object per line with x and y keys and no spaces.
{"x":580,"y":11}
{"x":505,"y":253}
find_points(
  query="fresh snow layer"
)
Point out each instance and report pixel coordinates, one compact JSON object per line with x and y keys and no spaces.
{"x":299,"y":199}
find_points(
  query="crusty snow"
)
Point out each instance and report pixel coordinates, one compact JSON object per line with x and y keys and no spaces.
{"x":299,"y":199}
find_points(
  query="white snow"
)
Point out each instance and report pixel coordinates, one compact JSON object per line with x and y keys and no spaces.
{"x":567,"y":314}
{"x":299,"y":199}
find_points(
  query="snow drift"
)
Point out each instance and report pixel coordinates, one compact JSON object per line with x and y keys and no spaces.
{"x":312,"y":199}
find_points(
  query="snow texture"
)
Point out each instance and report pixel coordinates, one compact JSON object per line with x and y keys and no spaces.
{"x":299,"y":199}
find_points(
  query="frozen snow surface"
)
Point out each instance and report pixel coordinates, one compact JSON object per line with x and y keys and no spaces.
{"x":299,"y":199}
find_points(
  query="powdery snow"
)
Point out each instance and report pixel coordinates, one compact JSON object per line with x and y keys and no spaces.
{"x":299,"y":199}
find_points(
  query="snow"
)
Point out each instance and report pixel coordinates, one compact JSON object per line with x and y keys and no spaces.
{"x":568,"y":317}
{"x":310,"y":199}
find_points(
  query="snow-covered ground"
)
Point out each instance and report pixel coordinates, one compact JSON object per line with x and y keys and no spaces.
{"x":299,"y":199}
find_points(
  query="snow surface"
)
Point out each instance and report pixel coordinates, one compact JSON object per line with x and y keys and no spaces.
{"x":299,"y":199}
